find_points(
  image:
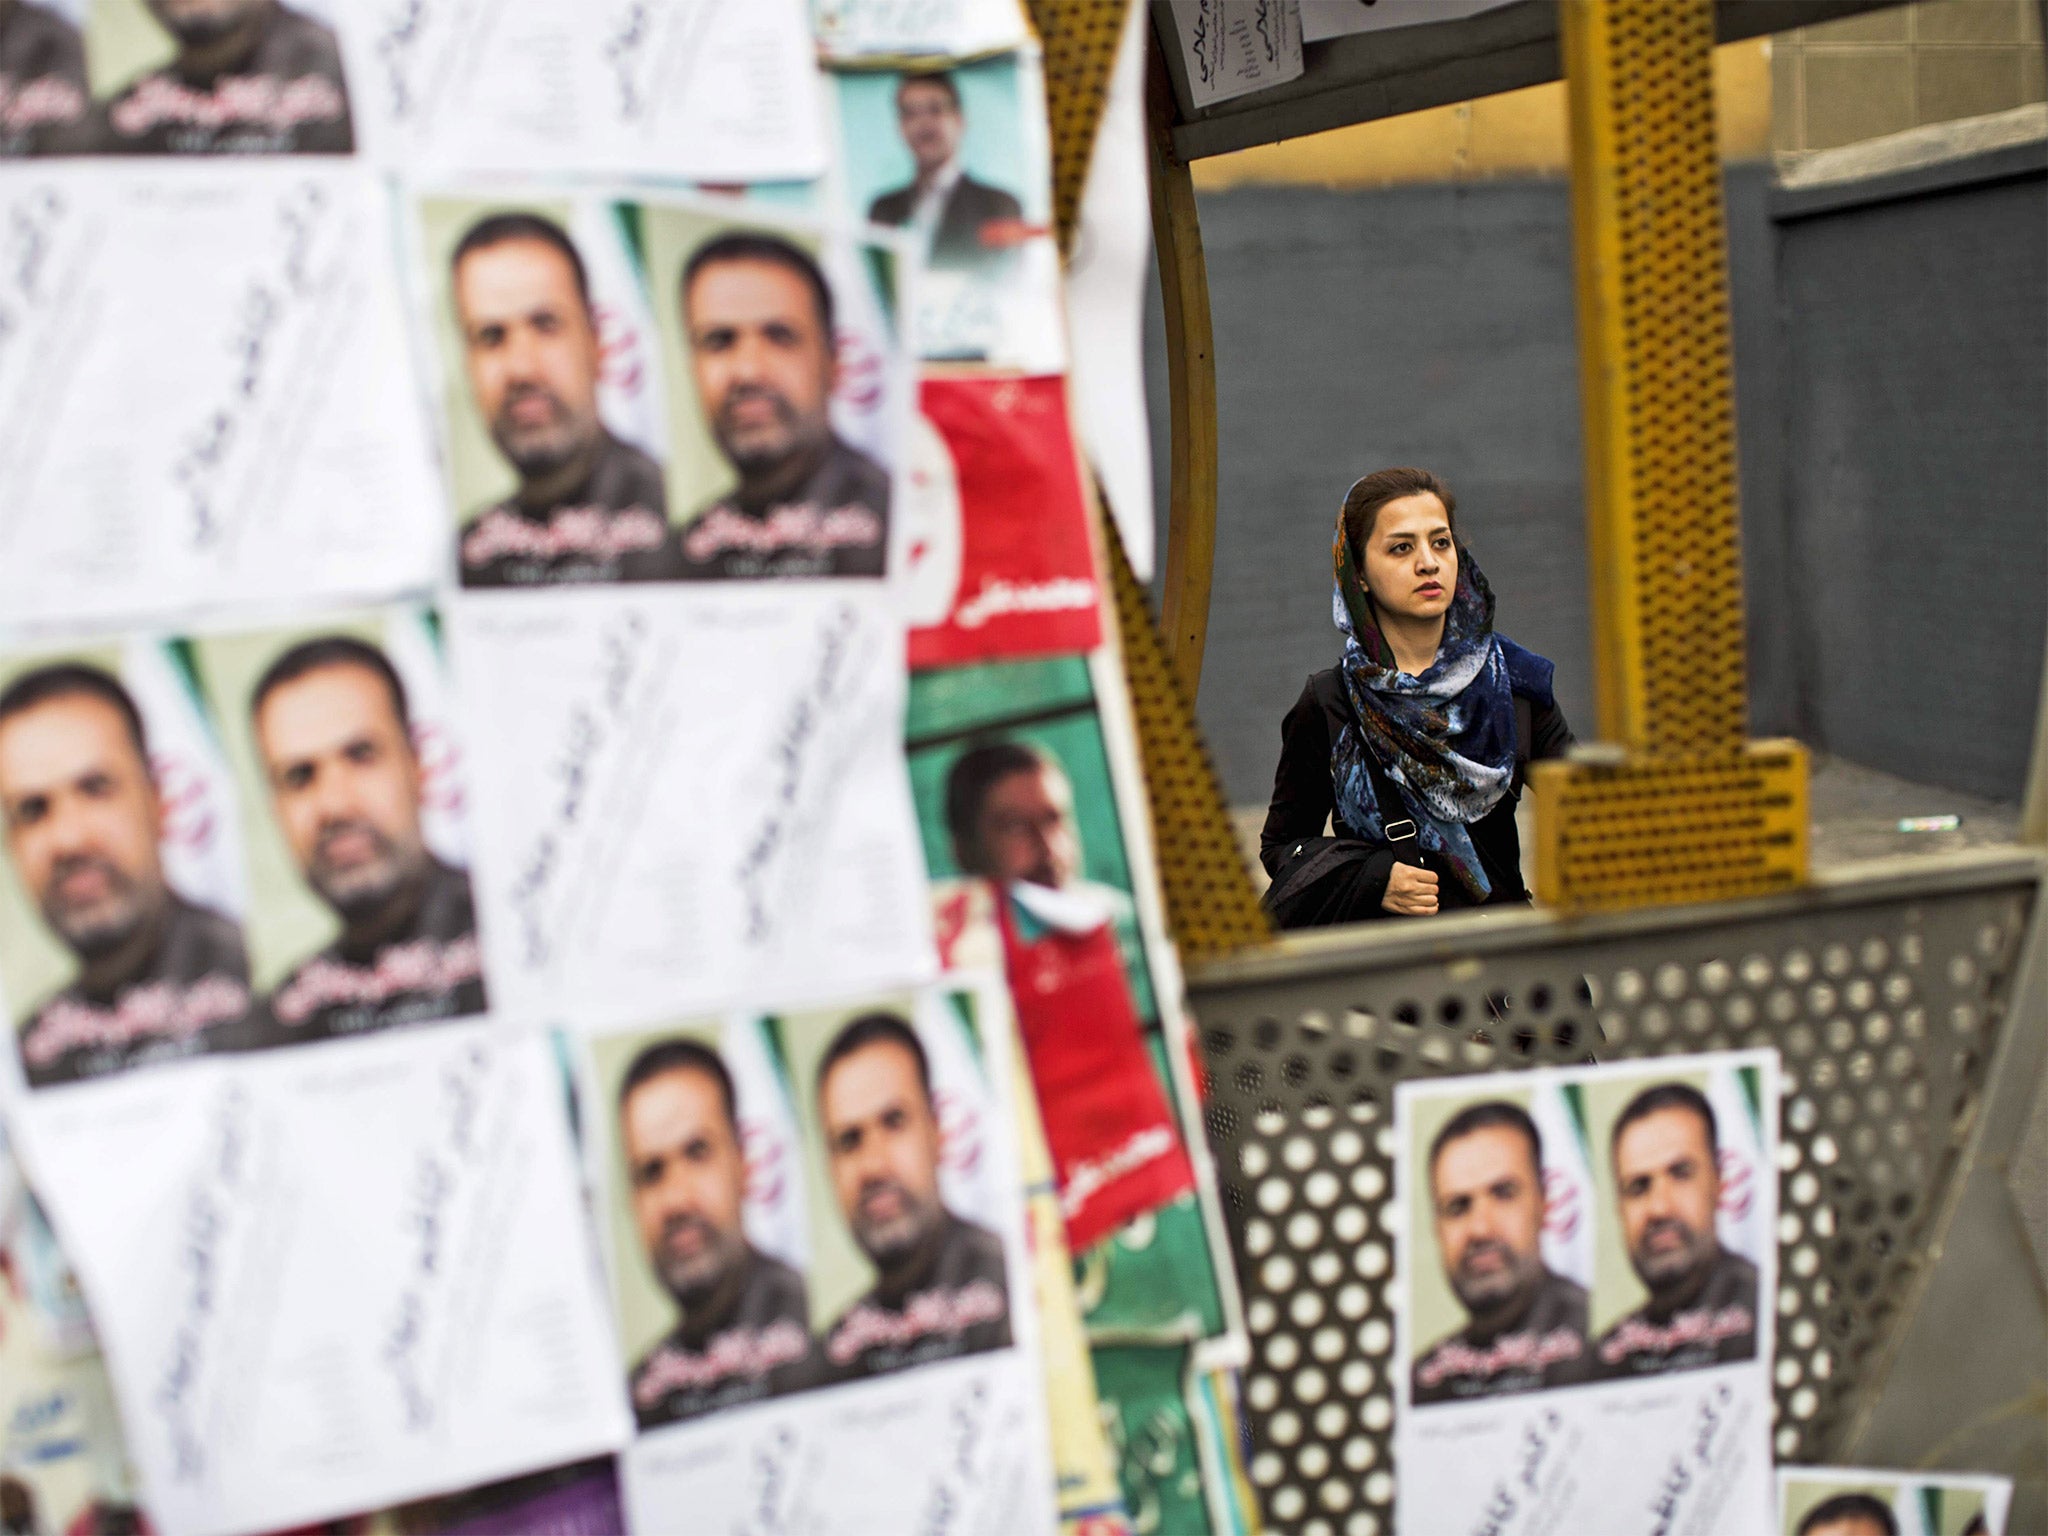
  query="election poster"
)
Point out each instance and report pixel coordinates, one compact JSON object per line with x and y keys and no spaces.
{"x":62,"y":1463}
{"x":959,"y":160}
{"x":1040,"y":872}
{"x":692,"y":88}
{"x":1856,"y":1501}
{"x":789,"y":390}
{"x":684,"y":799}
{"x":1002,"y":559}
{"x":853,"y":31}
{"x":123,"y":888}
{"x":181,"y":79}
{"x":267,"y":445}
{"x":885,"y":1376}
{"x":355,"y":805}
{"x":1618,"y":1384}
{"x":697,"y":90}
{"x":332,"y":1279}
{"x":232,"y":841}
{"x":662,"y":391}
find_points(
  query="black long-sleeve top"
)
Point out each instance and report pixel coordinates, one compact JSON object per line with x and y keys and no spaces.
{"x":1304,"y":795}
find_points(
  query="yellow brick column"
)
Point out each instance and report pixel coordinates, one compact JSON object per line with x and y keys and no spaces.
{"x":1674,"y":805}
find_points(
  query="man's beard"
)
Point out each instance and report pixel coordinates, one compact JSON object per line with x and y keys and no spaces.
{"x":366,"y":889}
{"x":1670,"y":1269}
{"x":108,"y":923}
{"x":691,"y":1281}
{"x":753,"y":451}
{"x":890,"y":1240}
{"x":1490,"y":1292}
{"x":203,"y":31}
{"x":537,"y":452}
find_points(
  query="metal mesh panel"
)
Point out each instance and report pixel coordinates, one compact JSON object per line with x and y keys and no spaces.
{"x":1657,"y":372}
{"x":1885,"y":1012}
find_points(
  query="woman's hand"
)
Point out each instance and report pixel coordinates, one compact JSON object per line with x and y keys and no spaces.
{"x":1411,"y":892}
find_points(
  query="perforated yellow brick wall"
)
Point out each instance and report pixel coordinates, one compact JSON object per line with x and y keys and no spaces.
{"x":1657,"y":376}
{"x":1671,"y":829}
{"x":1689,"y":811}
{"x":1080,"y":40}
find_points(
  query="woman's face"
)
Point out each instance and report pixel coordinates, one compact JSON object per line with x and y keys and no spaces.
{"x":1410,"y":563}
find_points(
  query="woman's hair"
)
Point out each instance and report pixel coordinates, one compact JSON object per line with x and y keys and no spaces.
{"x":1363,"y":501}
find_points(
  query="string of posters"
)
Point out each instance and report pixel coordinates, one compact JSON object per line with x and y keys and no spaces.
{"x":576,"y":929}
{"x":578,"y":937}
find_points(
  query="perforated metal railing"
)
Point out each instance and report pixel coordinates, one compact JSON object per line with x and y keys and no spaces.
{"x":1884,"y":996}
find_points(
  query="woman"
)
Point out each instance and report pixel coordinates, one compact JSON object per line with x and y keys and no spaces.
{"x":1416,"y":740}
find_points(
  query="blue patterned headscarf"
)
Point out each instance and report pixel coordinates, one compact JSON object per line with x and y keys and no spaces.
{"x":1445,"y":739}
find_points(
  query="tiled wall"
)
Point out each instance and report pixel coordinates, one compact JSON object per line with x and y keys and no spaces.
{"x":1894,"y":69}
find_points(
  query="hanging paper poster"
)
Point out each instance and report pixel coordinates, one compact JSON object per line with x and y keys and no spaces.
{"x":237,"y":79}
{"x":267,"y":442}
{"x":45,"y":98}
{"x":1109,"y":262}
{"x":1001,"y":562}
{"x":854,"y":29}
{"x":685,"y":798}
{"x":355,"y":807}
{"x":243,"y":840}
{"x":335,"y":1278}
{"x":123,"y":888}
{"x":662,"y":392}
{"x":1321,"y":19}
{"x":1230,"y":48}
{"x":62,"y":1466}
{"x":958,"y":159}
{"x":1612,"y":1385}
{"x":885,"y":1377}
{"x":1853,"y":1501}
{"x":1003,"y":805}
{"x":697,"y":90}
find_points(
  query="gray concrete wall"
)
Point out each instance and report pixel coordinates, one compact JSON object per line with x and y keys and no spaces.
{"x":1889,"y":375}
{"x":1915,"y":380}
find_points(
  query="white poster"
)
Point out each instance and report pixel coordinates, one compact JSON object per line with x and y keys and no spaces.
{"x":959,"y":160}
{"x":853,"y":29}
{"x":886,"y":1380}
{"x":698,"y":90}
{"x":206,"y":399}
{"x":334,"y":1279}
{"x":685,"y":798}
{"x":1322,"y":19}
{"x":1855,"y":1501}
{"x":1231,"y":48}
{"x":1106,"y":303}
{"x":62,"y":1467}
{"x":1634,"y":1395}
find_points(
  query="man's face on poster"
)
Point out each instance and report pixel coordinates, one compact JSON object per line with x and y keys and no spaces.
{"x":689,"y":1178}
{"x":197,"y":23}
{"x":930,"y":122}
{"x":763,"y":362}
{"x":1488,"y":1200}
{"x":1669,"y":1191}
{"x":532,"y":352}
{"x":882,"y":1140}
{"x":346,"y":784}
{"x":82,"y":820}
{"x":1025,"y":829}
